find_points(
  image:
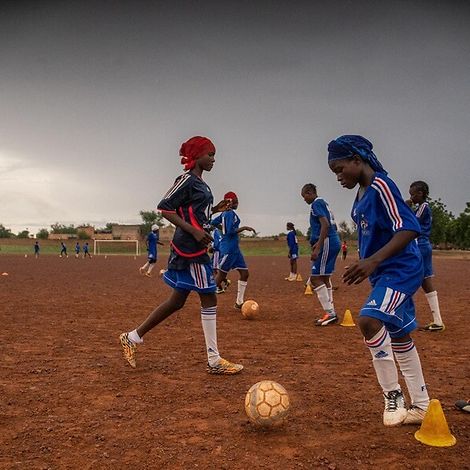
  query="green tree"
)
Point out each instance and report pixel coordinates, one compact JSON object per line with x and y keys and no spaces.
{"x":60,"y":228}
{"x":149,"y":218}
{"x":461,"y":229}
{"x":23,"y":234}
{"x":43,"y":234}
{"x":441,"y":230}
{"x":5,"y":232}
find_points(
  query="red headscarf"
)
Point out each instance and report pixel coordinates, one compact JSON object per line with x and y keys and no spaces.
{"x":231,"y":195}
{"x":194,"y":148}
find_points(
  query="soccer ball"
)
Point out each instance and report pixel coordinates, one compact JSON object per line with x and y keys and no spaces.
{"x":250,"y":309}
{"x":267,"y":404}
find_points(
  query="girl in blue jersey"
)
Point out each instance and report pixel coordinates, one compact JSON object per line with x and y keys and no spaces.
{"x":389,"y":256}
{"x":293,"y":254}
{"x":153,"y":239}
{"x":325,"y":244}
{"x":77,"y":250}
{"x":231,"y":255}
{"x":419,"y":192}
{"x":187,"y":205}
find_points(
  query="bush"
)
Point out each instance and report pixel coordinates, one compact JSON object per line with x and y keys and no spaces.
{"x":43,"y":234}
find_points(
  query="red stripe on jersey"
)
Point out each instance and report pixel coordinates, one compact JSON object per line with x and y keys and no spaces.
{"x":188,"y":255}
{"x":193,"y":219}
{"x":391,"y":202}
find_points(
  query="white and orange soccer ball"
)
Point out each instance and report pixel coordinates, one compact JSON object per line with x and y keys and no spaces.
{"x":267,"y":404}
{"x":250,"y":309}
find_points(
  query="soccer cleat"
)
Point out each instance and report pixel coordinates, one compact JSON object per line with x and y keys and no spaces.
{"x":394,"y":412}
{"x":227,"y":284}
{"x":219,"y":290}
{"x":326,"y":319}
{"x":224,"y":367}
{"x":414,"y":415}
{"x":128,"y":349}
{"x":463,"y":405}
{"x":238,"y":306}
{"x":433,"y":327}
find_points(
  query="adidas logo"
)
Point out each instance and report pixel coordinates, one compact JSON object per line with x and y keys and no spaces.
{"x":381,"y":354}
{"x":372,"y":303}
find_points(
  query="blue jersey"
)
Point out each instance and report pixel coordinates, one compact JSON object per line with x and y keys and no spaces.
{"x":424,"y":215}
{"x":379,"y":215}
{"x":36,"y":248}
{"x":191,"y":198}
{"x":152,"y":239}
{"x":292,"y":242}
{"x":217,"y":238}
{"x":85,"y":248}
{"x":77,"y":248}
{"x":230,"y":223}
{"x":320,"y":208}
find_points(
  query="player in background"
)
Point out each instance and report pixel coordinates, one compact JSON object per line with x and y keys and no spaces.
{"x":153,"y":239}
{"x":77,"y":250}
{"x":187,"y":205}
{"x":231,"y":255}
{"x":390,"y":257}
{"x":86,"y":251}
{"x":215,"y":249}
{"x":63,"y":250}
{"x":293,"y":251}
{"x":344,"y":250}
{"x":325,"y":244}
{"x":419,"y":192}
{"x":37,"y":249}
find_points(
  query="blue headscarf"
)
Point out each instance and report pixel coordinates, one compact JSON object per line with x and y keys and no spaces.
{"x":347,"y":146}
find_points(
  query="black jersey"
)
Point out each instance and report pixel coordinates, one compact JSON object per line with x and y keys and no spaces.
{"x":191,"y":198}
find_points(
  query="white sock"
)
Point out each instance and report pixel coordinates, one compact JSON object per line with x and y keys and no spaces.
{"x":151,"y":266}
{"x":323,"y":297}
{"x":135,"y":338}
{"x":410,"y":366}
{"x":433,"y":302}
{"x":241,"y":291}
{"x":380,"y":346}
{"x":145,"y":266}
{"x":330,"y":295}
{"x":209,"y":326}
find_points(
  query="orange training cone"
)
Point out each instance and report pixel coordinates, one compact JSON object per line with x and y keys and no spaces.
{"x":347,"y":319}
{"x":434,"y":430}
{"x":308,"y":290}
{"x":299,"y":278}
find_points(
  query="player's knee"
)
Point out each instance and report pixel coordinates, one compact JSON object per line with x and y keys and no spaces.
{"x":369,"y":326}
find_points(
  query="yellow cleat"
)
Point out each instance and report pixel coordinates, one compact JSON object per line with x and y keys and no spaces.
{"x":128,"y":349}
{"x":224,"y":367}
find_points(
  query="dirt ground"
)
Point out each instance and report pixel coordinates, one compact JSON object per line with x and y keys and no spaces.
{"x":69,"y":400}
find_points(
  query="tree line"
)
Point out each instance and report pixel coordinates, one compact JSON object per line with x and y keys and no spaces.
{"x":448,"y":230}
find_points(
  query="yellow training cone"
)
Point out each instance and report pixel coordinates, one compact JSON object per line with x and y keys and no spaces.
{"x":347,"y":319}
{"x":299,"y":278}
{"x":308,"y":290}
{"x":434,"y":430}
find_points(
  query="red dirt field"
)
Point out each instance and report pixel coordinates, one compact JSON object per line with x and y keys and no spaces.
{"x":69,"y":400}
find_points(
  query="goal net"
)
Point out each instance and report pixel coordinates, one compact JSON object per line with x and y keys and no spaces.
{"x":116,"y":247}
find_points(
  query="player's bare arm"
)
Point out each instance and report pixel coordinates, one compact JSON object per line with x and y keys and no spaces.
{"x":316,"y":248}
{"x":363,"y":268}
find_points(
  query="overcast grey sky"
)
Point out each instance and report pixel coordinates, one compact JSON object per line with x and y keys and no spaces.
{"x":96,"y":98}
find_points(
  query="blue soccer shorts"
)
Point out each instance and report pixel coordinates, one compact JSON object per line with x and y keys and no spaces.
{"x":152,"y":259}
{"x":324,"y":265}
{"x":198,"y":278}
{"x":395,"y":309}
{"x":426,"y":253}
{"x":232,"y":261}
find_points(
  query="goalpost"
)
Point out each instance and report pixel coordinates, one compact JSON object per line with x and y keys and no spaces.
{"x":120,"y":248}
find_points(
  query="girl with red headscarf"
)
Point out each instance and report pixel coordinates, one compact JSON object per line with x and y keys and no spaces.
{"x":187,"y":205}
